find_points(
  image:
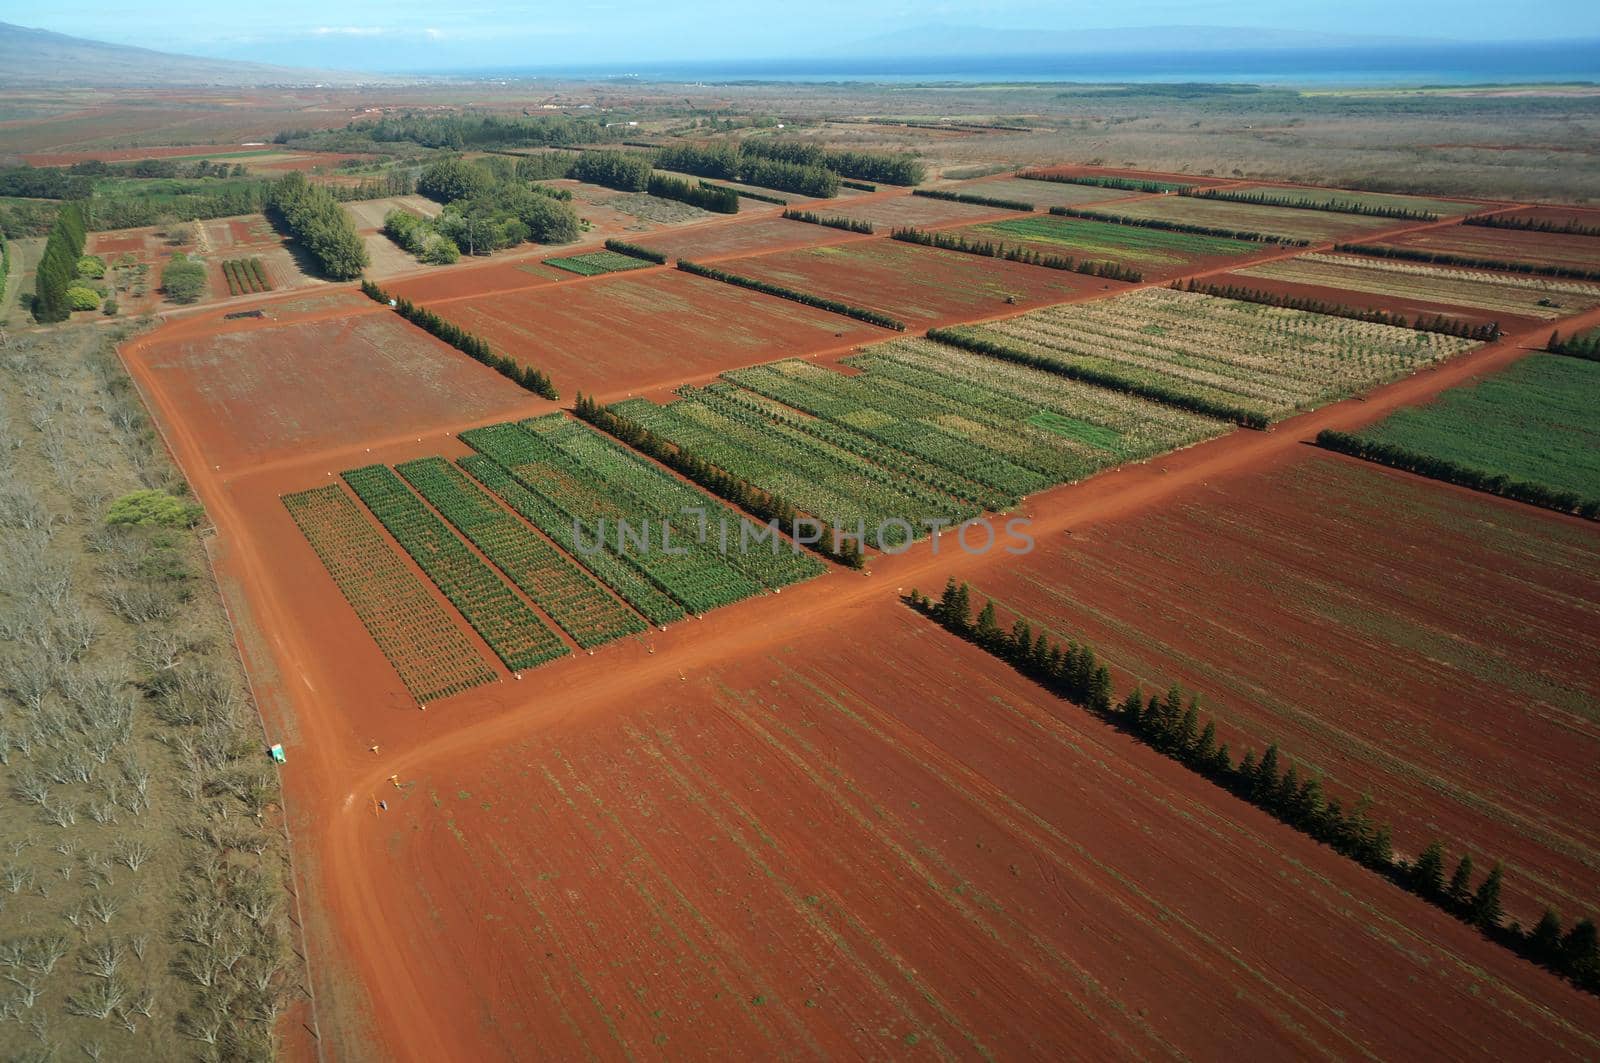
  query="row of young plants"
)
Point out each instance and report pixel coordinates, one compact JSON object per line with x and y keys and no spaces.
{"x":1437,"y":468}
{"x":596,"y":263}
{"x":762,"y":504}
{"x":667,"y":499}
{"x":513,"y":631}
{"x":898,"y":421}
{"x":622,"y":576}
{"x":1570,"y":227}
{"x":1016,"y":253}
{"x":977,"y":201}
{"x":431,"y":655}
{"x":1577,"y":345}
{"x":1172,"y":728}
{"x":1447,"y":258}
{"x":1102,"y":377}
{"x":245,"y":276}
{"x":58,"y":267}
{"x":566,"y":593}
{"x":1332,"y":206}
{"x":623,"y":247}
{"x":859,"y":186}
{"x":703,"y":195}
{"x":474,"y":347}
{"x":1123,"y":184}
{"x":860,"y":313}
{"x":1448,"y":326}
{"x":811,"y":217}
{"x":319,"y":224}
{"x":595,"y":507}
{"x":1180,"y":227}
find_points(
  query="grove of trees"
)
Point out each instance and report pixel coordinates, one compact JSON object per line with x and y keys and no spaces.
{"x":316,"y":220}
{"x":58,"y":267}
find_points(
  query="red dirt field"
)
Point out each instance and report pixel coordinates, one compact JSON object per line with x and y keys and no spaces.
{"x":276,"y":389}
{"x":923,"y":286}
{"x":1042,"y":194}
{"x":1090,"y":893}
{"x":637,"y":332}
{"x":903,"y":208}
{"x":710,"y":241}
{"x":1433,"y":649}
{"x":1560,"y":215}
{"x":1394,"y":304}
{"x":467,"y":279}
{"x":1507,"y":245}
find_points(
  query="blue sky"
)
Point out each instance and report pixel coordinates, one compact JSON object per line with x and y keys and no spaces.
{"x":407,"y":34}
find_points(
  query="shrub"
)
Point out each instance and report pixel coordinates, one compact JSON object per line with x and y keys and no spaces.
{"x":183,"y":279}
{"x":92,"y":266}
{"x":153,"y":508}
{"x":79,"y":298}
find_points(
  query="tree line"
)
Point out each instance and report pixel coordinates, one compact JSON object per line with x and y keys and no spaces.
{"x":705,"y":196}
{"x":1445,"y":258}
{"x":1578,"y":345}
{"x":979,"y":201}
{"x":420,"y":238}
{"x":1270,"y":782}
{"x":1448,"y":326}
{"x":745,"y":193}
{"x":1570,"y":227}
{"x":763,"y":505}
{"x":860,"y":313}
{"x":1437,"y":468}
{"x":488,"y":205}
{"x":58,"y":267}
{"x":623,"y":247}
{"x":474,"y":347}
{"x":457,"y":132}
{"x":811,"y":217}
{"x":1125,"y":184}
{"x":1107,"y":378}
{"x":1331,"y":206}
{"x":1179,"y":227}
{"x":994,"y":249}
{"x":320,"y":225}
{"x":886,"y":167}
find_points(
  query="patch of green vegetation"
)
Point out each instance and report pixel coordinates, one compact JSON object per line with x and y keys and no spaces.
{"x":1095,"y":435}
{"x":153,"y":508}
{"x":1086,"y":239}
{"x":598,"y":262}
{"x":1538,"y":422}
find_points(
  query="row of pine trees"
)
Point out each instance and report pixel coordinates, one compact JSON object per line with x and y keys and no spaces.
{"x":59,"y":265}
{"x":475,"y":347}
{"x":1174,"y":728}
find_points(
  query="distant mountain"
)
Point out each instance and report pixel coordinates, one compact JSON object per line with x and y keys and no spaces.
{"x":981,"y":41}
{"x":39,"y":57}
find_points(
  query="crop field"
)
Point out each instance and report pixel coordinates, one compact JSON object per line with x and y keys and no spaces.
{"x":245,"y":276}
{"x":1318,"y":226}
{"x":1154,"y":250}
{"x":1322,"y":197}
{"x":431,"y":654}
{"x":813,"y":851}
{"x":1537,"y":422}
{"x":1501,"y":293}
{"x":919,"y":285}
{"x":1010,"y":429}
{"x":594,"y":485}
{"x":598,"y":262}
{"x":473,"y":279}
{"x":699,"y":243}
{"x":1263,"y":360}
{"x":886,"y":212}
{"x":1042,"y":194}
{"x":1432,"y":648}
{"x":649,"y":330}
{"x":566,"y":593}
{"x":286,"y":388}
{"x":1504,"y":245}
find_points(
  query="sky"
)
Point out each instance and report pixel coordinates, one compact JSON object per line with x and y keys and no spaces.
{"x":397,"y":35}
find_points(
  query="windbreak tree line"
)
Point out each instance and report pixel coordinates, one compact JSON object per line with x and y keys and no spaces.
{"x":1448,"y":326}
{"x":1173,"y":727}
{"x":315,"y":219}
{"x":1578,"y":345}
{"x":473,"y":346}
{"x":58,"y":267}
{"x":458,"y":132}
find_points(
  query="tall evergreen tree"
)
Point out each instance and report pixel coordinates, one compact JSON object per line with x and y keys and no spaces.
{"x":1544,"y":943}
{"x":1485,"y":911}
{"x":1459,"y":890}
{"x":1427,"y":874}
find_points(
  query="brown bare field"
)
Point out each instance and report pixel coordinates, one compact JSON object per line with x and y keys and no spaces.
{"x":259,"y":390}
{"x":1042,"y":194}
{"x":369,"y":213}
{"x":476,"y":277}
{"x":1430,"y":647}
{"x":922,"y":286}
{"x":710,"y":241}
{"x":1504,"y":245}
{"x":888,"y":210}
{"x":647,"y":330}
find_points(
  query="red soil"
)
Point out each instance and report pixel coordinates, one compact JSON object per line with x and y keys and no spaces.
{"x":271,"y":389}
{"x":1509,"y":245}
{"x":923,"y":286}
{"x":807,"y":797}
{"x":704,"y":243}
{"x":647,"y":329}
{"x":1393,"y":303}
{"x":888,"y":210}
{"x":1559,"y":215}
{"x":473,"y":279}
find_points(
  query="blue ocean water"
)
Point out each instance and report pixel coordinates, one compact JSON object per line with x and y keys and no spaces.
{"x":1447,"y":64}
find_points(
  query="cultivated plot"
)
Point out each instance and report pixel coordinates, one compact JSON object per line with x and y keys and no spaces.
{"x":1229,"y":357}
{"x":1344,"y":198}
{"x":1153,"y":251}
{"x":1511,"y":247}
{"x":1317,"y":226}
{"x":889,"y":211}
{"x":1404,"y":283}
{"x":1042,"y":194}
